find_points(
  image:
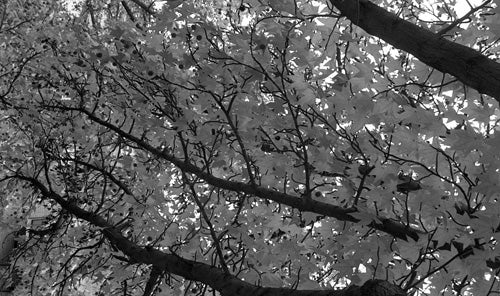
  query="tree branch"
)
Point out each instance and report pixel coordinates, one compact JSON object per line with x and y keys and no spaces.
{"x":460,"y":20}
{"x":391,"y":227}
{"x":144,"y":7}
{"x":467,"y":65}
{"x":128,"y":11}
{"x":154,"y":278}
{"x":226,"y":284}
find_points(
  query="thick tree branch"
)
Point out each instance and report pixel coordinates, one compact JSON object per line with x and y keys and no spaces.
{"x":467,"y":65}
{"x":152,"y":283}
{"x":226,"y":284}
{"x":391,"y":227}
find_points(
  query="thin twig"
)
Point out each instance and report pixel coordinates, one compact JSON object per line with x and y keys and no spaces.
{"x":460,"y":20}
{"x":145,"y":7}
{"x":128,"y":10}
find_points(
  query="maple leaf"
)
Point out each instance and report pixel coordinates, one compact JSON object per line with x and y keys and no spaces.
{"x":264,"y":147}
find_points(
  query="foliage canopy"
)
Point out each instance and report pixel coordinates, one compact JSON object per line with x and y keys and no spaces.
{"x":251,"y":147}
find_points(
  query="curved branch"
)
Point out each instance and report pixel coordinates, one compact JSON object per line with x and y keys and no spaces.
{"x":391,"y":227}
{"x":463,"y":18}
{"x":226,"y":284}
{"x":467,"y":65}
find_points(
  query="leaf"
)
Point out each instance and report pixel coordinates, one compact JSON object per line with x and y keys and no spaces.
{"x":283,"y":6}
{"x":190,"y":134}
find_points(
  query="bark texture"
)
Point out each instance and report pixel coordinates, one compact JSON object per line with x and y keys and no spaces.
{"x":226,"y":284}
{"x":466,"y":64}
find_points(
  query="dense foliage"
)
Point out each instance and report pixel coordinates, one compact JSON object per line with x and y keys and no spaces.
{"x":187,"y":147}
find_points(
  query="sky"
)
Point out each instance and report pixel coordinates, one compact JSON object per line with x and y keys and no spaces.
{"x":462,"y":5}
